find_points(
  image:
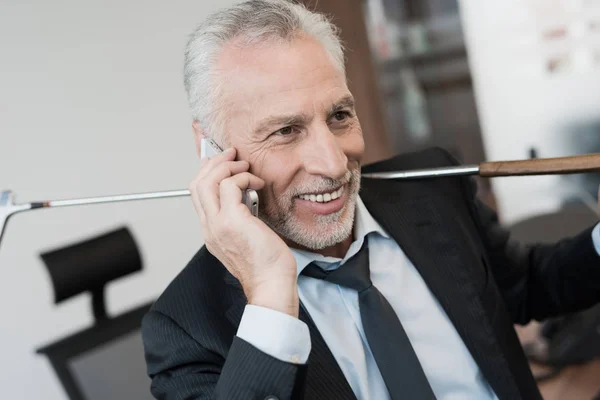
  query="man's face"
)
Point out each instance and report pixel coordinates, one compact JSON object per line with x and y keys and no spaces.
{"x":291,"y":116}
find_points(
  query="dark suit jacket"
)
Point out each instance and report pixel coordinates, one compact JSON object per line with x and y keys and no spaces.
{"x":484,"y":282}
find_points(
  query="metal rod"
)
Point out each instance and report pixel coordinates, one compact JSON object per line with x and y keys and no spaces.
{"x":415,"y":174}
{"x":115,"y":198}
{"x":8,"y":207}
{"x":425,"y":173}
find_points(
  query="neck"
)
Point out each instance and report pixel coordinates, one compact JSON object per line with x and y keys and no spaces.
{"x":338,"y":250}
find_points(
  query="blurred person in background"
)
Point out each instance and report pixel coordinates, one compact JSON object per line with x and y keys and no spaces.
{"x":343,"y":287}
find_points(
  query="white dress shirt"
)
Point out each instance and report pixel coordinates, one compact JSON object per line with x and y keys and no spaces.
{"x":447,"y":363}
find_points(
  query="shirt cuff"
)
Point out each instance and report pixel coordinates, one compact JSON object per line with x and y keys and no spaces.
{"x":596,"y":238}
{"x":276,"y":334}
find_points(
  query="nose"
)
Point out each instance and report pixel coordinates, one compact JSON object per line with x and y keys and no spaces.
{"x":324,"y":154}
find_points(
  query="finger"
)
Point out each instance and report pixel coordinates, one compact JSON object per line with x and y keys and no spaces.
{"x":223,"y":170}
{"x":226,"y":155}
{"x":201,"y":215}
{"x":208,"y":186}
{"x":197,"y":185}
{"x":196,"y":202}
{"x":204,"y":187}
{"x":231,"y":188}
{"x":208,"y":163}
{"x":204,"y":161}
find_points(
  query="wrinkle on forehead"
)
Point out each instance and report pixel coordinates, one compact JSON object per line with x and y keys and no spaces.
{"x":282,"y":78}
{"x":255,"y":66}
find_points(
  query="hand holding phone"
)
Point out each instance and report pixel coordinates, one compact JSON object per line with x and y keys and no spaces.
{"x":246,"y":246}
{"x":209,"y":148}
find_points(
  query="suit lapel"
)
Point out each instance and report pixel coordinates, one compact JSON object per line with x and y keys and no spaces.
{"x":325,"y":379}
{"x":435,"y":246}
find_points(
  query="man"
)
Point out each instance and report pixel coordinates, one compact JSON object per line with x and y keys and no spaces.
{"x":273,"y":307}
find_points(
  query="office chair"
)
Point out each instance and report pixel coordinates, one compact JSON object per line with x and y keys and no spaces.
{"x":106,"y":360}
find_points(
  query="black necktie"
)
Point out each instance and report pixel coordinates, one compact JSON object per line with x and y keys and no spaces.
{"x":394,"y":355}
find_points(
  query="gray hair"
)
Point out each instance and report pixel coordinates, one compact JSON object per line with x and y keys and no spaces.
{"x":250,"y":22}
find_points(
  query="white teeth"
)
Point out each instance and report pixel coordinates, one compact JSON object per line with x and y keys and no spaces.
{"x":323,"y":198}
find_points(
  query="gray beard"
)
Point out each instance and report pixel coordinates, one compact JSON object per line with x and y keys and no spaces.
{"x":325,"y":231}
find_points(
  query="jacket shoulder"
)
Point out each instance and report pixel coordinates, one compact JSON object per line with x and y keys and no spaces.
{"x":458,"y":188}
{"x":431,"y":157}
{"x":198,"y":294}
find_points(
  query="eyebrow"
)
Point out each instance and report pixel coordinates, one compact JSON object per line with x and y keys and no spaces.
{"x":281,"y":120}
{"x":344,"y":102}
{"x":302,"y":119}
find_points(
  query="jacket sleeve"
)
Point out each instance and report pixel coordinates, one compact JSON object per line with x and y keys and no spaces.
{"x":181,"y":368}
{"x":537,"y":281}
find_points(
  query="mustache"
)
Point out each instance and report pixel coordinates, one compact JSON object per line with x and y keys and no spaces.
{"x":322,"y":184}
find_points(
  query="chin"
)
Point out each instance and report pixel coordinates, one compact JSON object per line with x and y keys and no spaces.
{"x":312,"y":230}
{"x":322,"y":231}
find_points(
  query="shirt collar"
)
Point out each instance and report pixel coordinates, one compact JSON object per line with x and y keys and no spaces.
{"x":364,"y":224}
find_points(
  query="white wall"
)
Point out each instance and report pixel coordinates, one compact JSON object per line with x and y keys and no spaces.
{"x":91,"y":103}
{"x":520,"y":104}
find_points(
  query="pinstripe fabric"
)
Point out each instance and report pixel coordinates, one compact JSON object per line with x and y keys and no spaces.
{"x":192,"y":351}
{"x":324,"y":374}
{"x":483,"y":281}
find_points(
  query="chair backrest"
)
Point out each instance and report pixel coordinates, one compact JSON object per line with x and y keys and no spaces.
{"x":106,"y":360}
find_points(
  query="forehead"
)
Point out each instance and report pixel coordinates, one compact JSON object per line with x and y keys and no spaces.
{"x":282,"y":77}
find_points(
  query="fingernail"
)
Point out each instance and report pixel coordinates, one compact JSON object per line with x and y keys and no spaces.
{"x":229,"y":150}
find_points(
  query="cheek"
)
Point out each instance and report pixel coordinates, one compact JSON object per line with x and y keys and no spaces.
{"x":353,"y":144}
{"x":278,"y":170}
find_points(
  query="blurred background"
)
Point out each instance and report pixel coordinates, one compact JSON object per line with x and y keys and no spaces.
{"x":92,"y":103}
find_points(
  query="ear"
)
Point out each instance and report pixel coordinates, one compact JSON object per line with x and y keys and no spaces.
{"x":199,"y":134}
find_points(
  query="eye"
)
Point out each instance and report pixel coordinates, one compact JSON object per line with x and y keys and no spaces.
{"x":341,"y":116}
{"x":288,"y":130}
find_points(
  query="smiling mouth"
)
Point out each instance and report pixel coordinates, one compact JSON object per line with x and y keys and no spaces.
{"x":323,"y":197}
